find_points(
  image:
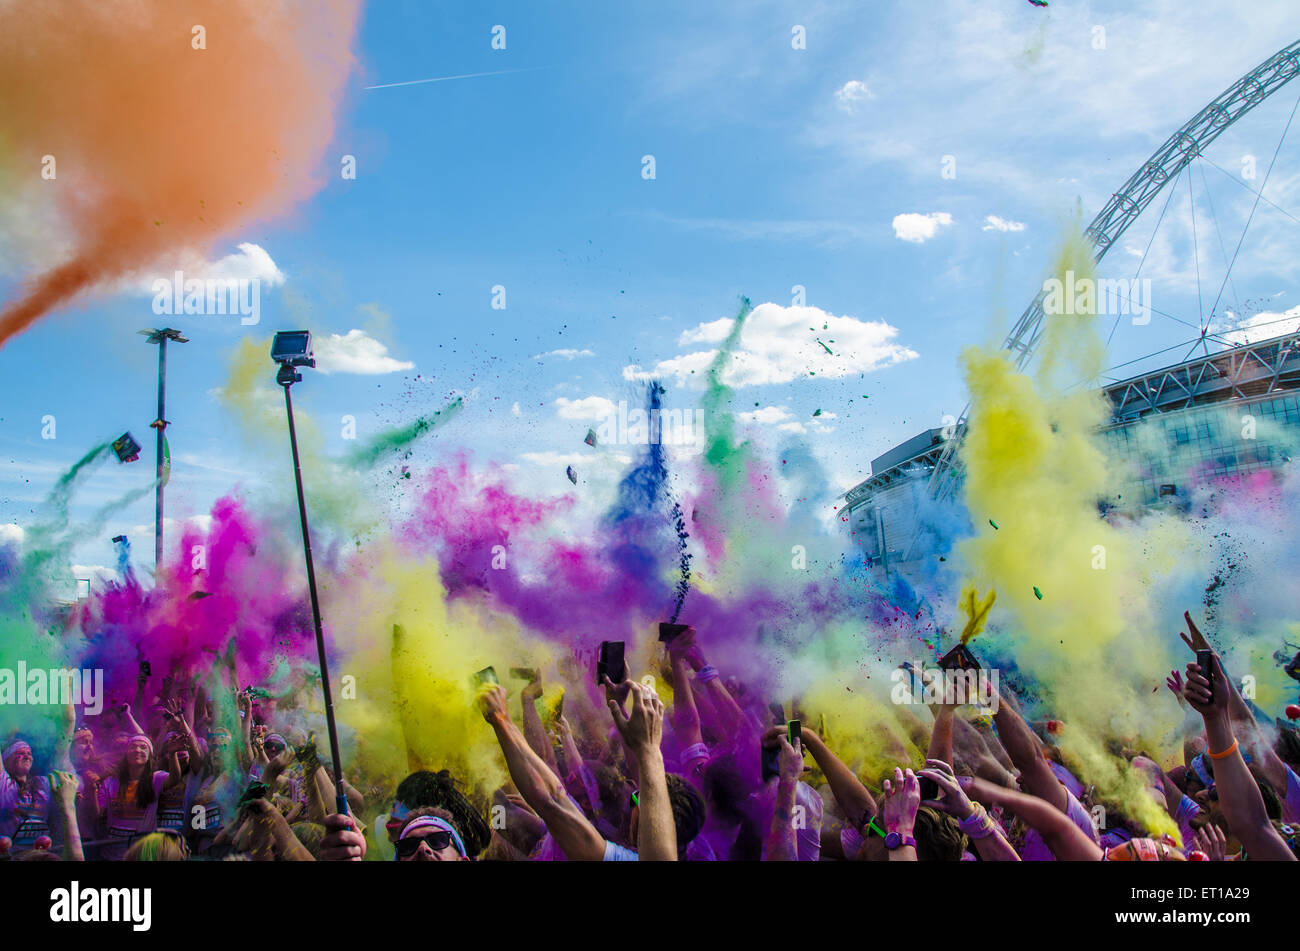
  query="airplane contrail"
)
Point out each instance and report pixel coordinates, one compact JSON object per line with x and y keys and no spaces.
{"x":443,"y":79}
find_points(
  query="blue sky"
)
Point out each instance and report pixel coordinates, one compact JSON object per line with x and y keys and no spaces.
{"x":774,"y":167}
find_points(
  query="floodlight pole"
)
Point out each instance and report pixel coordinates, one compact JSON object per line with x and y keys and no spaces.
{"x":160,"y":424}
{"x":160,"y":337}
{"x":286,"y":378}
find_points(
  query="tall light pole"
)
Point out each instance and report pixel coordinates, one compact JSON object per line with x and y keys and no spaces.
{"x":160,"y":337}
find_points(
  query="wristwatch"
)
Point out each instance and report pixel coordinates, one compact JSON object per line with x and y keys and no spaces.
{"x":895,"y":841}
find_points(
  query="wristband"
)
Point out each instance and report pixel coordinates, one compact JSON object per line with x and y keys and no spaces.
{"x":697,"y":751}
{"x":1226,"y":753}
{"x":977,"y":825}
{"x":706,"y":673}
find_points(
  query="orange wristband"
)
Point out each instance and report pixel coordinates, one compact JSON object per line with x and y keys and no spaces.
{"x":1228,"y":752}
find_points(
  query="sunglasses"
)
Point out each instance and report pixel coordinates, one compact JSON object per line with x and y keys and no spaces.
{"x":437,"y":841}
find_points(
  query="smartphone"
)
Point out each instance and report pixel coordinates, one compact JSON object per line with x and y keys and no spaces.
{"x":959,"y":658}
{"x":146,"y":669}
{"x":487,"y":675}
{"x":1205,"y":661}
{"x":929,"y":788}
{"x":668,"y":631}
{"x":530,"y":674}
{"x":610,"y":663}
{"x":794,"y":732}
{"x":771,"y":762}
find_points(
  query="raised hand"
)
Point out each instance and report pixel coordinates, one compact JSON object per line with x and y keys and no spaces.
{"x":491,"y":702}
{"x":1198,"y":692}
{"x":1211,"y":840}
{"x":902,"y":799}
{"x":1194,"y":638}
{"x":790,"y":759}
{"x":1175,"y":684}
{"x":642,"y":728}
{"x":954,"y":800}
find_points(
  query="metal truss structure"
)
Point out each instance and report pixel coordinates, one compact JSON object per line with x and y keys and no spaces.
{"x":1243,"y":373}
{"x":1179,"y":150}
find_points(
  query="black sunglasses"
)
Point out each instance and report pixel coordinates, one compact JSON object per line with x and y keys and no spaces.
{"x":437,"y":841}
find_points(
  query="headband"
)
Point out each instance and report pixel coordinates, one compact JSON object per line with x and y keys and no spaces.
{"x":436,"y":822}
{"x":275,"y":736}
{"x":1198,"y":767}
{"x":140,"y":736}
{"x":14,"y":747}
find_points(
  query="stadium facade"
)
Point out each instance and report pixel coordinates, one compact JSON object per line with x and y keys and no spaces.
{"x":1230,"y":413}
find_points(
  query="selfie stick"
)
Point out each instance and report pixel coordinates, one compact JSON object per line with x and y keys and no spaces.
{"x":286,"y":378}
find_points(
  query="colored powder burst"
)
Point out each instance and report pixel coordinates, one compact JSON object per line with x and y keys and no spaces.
{"x":401,"y":437}
{"x":1032,"y":451}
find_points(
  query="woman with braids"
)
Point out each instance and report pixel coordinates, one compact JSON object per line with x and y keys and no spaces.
{"x":424,"y":790}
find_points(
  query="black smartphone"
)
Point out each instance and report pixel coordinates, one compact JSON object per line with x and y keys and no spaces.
{"x":487,"y":675}
{"x":530,"y":674}
{"x":959,"y":658}
{"x":146,"y":669}
{"x":610,"y":663}
{"x":1205,"y":661}
{"x":929,"y":788}
{"x":668,"y":631}
{"x":794,"y":732}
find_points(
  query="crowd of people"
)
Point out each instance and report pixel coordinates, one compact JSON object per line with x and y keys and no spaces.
{"x":720,"y":774}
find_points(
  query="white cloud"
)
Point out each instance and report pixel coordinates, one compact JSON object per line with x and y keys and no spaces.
{"x":515,"y":410}
{"x":564,"y":354}
{"x":851,"y":92}
{"x":12,"y":534}
{"x":780,"y":344}
{"x":767,"y":415}
{"x":355,"y":352}
{"x":994,"y":223}
{"x":251,"y":262}
{"x":920,"y":228}
{"x":1264,"y":325}
{"x":587,"y":408}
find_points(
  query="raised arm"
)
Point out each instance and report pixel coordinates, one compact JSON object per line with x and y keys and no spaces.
{"x":63,"y":787}
{"x":1062,"y":836}
{"x":941,"y":736}
{"x":986,"y":836}
{"x":854,"y":799}
{"x":534,"y":732}
{"x":642,"y":729}
{"x":1036,"y":776}
{"x":1239,"y":796}
{"x":538,"y":784}
{"x":1239,"y":714}
{"x":782,"y":845}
